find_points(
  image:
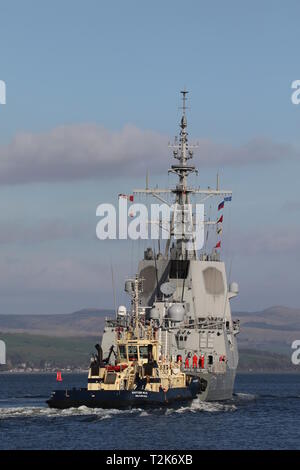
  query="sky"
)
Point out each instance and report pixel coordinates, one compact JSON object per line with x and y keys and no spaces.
{"x":92,"y":99}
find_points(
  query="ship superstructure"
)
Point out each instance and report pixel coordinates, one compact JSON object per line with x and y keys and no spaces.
{"x":186,"y":295}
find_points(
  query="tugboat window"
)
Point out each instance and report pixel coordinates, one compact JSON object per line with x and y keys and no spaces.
{"x":132,"y":353}
{"x":122,"y":353}
{"x":143,"y":352}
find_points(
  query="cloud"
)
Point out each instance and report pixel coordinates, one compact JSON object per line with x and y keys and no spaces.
{"x":258,"y":150}
{"x":78,"y":152}
{"x":55,"y":229}
{"x":43,"y":273}
{"x":90,"y":151}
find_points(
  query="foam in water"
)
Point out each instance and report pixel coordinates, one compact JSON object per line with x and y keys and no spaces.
{"x":38,"y":411}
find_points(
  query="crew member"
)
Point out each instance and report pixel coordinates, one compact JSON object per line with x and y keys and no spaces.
{"x":195,"y":361}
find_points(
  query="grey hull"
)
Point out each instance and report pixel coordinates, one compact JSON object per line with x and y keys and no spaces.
{"x":219,"y":386}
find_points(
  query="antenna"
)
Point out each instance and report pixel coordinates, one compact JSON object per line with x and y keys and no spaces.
{"x":184,"y":99}
{"x":113,"y":287}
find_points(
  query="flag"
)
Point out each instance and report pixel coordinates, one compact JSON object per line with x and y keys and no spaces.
{"x":220,"y":220}
{"x":228,"y":198}
{"x":124,"y":196}
{"x":221,"y":205}
{"x":220,"y":230}
{"x":218,"y":245}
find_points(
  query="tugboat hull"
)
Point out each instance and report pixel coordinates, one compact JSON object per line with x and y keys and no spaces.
{"x":122,"y":399}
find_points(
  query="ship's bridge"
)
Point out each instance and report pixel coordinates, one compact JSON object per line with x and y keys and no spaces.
{"x":139,"y":350}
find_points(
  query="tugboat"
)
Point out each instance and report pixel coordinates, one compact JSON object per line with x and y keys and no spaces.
{"x":140,"y":377}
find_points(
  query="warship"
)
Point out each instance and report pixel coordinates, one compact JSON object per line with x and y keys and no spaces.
{"x":178,"y":339}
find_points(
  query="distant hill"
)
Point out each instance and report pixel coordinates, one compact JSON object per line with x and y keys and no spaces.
{"x":37,"y":351}
{"x":273,"y":329}
{"x":28,"y":352}
{"x":86,"y":322}
{"x":251,"y":360}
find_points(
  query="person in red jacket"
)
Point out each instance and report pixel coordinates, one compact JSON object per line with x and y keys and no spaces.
{"x":187,"y":363}
{"x":195,"y":361}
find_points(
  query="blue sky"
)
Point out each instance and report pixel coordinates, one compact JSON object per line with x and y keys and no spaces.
{"x":104,"y":78}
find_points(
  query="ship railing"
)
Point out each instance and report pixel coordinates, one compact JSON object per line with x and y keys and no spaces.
{"x":219,"y":367}
{"x":215,"y":324}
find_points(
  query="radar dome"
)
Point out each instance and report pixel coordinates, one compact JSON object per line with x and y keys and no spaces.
{"x":122,"y":311}
{"x":176,"y":312}
{"x":234,"y":287}
{"x":154,"y":313}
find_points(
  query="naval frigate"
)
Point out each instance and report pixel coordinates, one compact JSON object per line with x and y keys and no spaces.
{"x":185,"y":294}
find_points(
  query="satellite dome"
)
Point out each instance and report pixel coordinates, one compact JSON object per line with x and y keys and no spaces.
{"x":154,"y":314}
{"x":122,"y":311}
{"x":176,"y":312}
{"x":234,"y":287}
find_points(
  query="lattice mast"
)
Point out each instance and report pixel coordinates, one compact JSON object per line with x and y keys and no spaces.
{"x":183,"y":152}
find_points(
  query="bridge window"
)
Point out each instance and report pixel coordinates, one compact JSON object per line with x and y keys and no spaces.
{"x":122,"y":353}
{"x":132,"y":353}
{"x":143,"y":352}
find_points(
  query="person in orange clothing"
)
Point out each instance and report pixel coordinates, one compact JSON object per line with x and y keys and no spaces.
{"x":201,"y":361}
{"x":195,"y":361}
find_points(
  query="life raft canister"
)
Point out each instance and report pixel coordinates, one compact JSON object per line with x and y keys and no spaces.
{"x":118,"y":368}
